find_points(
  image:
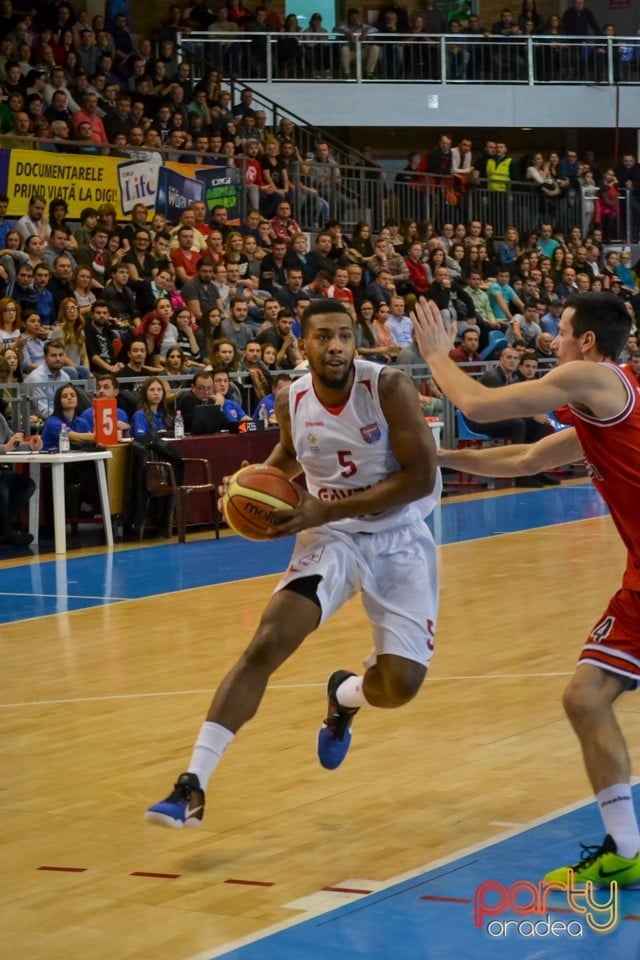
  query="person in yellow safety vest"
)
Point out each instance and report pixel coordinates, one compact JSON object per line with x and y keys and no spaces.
{"x":499,"y":169}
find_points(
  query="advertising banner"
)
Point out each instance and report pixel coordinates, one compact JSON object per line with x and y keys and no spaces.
{"x":88,"y":181}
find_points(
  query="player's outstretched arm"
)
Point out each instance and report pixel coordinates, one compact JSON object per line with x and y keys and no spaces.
{"x":593,"y":385}
{"x":516,"y":460}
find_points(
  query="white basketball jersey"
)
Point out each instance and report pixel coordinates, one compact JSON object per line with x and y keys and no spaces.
{"x":347,"y":451}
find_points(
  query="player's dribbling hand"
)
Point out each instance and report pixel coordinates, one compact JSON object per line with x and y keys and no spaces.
{"x":224,"y":485}
{"x":430,"y":333}
{"x":310,"y":512}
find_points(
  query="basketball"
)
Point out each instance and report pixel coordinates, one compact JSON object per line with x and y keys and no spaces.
{"x":252,"y":496}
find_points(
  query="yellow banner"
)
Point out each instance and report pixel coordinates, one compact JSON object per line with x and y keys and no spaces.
{"x":83,"y":181}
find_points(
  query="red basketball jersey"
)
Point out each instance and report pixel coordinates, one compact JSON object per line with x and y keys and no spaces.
{"x":612,"y":457}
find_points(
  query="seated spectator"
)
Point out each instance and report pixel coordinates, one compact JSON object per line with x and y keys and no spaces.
{"x":282,"y":337}
{"x":82,"y":285}
{"x":281,"y":382}
{"x":545,"y":354}
{"x":152,"y":415}
{"x":283,"y":226}
{"x":382,"y":288}
{"x":96,"y":256}
{"x":45,"y":379}
{"x":100,"y":340}
{"x":22,"y":289}
{"x":177,"y":366}
{"x":467,"y":351}
{"x":399,"y":322}
{"x":121,"y":299}
{"x":32,"y":341}
{"x":259,"y":376}
{"x":10,"y":322}
{"x":232,"y":410}
{"x":154,"y":328}
{"x":65,"y":410}
{"x":107,"y":388}
{"x":203,"y":392}
{"x":530,"y":329}
{"x":184,"y":259}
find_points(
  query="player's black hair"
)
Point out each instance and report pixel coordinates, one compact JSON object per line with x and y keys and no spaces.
{"x":606,"y":316}
{"x":319,"y":308}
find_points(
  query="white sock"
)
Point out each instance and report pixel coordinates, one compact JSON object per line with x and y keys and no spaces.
{"x":350,"y":692}
{"x":212,"y":742}
{"x":619,"y":816}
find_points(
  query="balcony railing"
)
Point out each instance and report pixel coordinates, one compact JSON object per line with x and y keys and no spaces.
{"x":414,"y":58}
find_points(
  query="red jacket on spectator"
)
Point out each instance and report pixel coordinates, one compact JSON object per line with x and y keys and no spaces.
{"x":417,"y":275}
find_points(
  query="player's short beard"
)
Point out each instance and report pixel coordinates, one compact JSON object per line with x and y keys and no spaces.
{"x":340,"y":384}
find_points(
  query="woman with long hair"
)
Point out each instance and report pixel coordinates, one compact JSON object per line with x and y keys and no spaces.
{"x":33,"y":249}
{"x":12,"y":255}
{"x":366,"y":336}
{"x":269,"y":355}
{"x":277,"y":185}
{"x":11,"y":375}
{"x":458,"y":255}
{"x":183,"y":320}
{"x":557,"y":264}
{"x":210,"y":323}
{"x":153,"y":327}
{"x":360,"y":249}
{"x":254,"y":254}
{"x":177,"y":366}
{"x":233,"y":251}
{"x":70,"y":329}
{"x":82,"y":287}
{"x":409,"y":232}
{"x":152,"y":415}
{"x":66,"y":404}
{"x":437,"y":258}
{"x":10,"y":322}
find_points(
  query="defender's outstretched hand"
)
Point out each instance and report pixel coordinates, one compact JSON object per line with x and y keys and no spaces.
{"x":431,"y":335}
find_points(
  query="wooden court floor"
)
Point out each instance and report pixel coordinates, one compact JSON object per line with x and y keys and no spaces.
{"x":100,"y":707}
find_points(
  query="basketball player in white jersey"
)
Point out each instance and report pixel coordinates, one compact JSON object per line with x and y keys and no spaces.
{"x":357,"y":431}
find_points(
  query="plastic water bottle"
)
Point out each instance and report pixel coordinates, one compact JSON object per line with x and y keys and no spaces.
{"x":178,"y":426}
{"x":64,"y":445}
{"x":263,"y":414}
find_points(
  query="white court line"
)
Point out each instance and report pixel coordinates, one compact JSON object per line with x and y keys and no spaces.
{"x":275,"y":686}
{"x":393,"y":881}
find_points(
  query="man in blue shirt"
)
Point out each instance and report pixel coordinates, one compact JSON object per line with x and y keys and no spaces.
{"x":232,"y":410}
{"x":108,"y":388}
{"x":505,"y":302}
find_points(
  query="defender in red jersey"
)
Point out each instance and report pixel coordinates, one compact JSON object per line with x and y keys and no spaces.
{"x":602,"y":404}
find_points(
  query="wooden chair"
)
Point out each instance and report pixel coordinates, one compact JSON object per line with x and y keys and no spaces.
{"x":161,"y":482}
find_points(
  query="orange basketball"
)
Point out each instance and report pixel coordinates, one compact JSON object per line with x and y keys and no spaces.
{"x":252,"y":496}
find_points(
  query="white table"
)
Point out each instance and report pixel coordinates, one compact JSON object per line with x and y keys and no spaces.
{"x":58,"y":462}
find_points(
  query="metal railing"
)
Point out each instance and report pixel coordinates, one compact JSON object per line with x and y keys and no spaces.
{"x":415,"y":58}
{"x":350,"y":192}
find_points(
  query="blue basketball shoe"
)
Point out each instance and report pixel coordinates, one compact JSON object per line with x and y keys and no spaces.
{"x":184,"y":807}
{"x":334,"y":736}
